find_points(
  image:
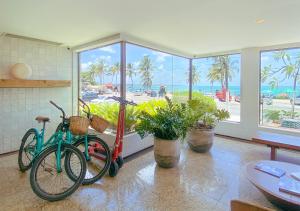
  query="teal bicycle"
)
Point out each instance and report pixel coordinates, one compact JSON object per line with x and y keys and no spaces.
{"x":96,"y":152}
{"x":50,"y":175}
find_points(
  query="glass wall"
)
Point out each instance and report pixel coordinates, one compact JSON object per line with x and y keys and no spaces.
{"x":99,"y":71}
{"x":279,"y":89}
{"x":219,"y":78}
{"x":152,"y":75}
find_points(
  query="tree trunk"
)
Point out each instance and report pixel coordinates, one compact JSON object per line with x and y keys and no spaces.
{"x":227,"y":89}
{"x":294,"y":97}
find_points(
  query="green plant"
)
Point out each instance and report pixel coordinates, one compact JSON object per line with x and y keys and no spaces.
{"x":151,"y":106}
{"x":282,"y":96}
{"x":273,"y":115}
{"x":110,"y":111}
{"x":203,"y":112}
{"x":169,"y":123}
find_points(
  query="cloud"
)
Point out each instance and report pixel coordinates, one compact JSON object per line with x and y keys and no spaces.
{"x":161,"y":67}
{"x":105,"y":58}
{"x":84,"y":66}
{"x":108,"y":49}
{"x":136,"y":63}
{"x":160,"y":56}
{"x":265,"y":58}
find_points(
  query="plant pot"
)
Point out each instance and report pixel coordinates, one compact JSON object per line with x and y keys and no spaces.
{"x":200,"y":140}
{"x":166,"y":152}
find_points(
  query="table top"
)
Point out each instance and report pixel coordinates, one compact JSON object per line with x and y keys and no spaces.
{"x":285,"y":141}
{"x":269,"y":183}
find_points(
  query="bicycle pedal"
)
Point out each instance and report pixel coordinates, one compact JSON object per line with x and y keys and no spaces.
{"x":48,"y":170}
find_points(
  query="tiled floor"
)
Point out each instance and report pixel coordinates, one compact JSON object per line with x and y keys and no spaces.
{"x":200,"y":182}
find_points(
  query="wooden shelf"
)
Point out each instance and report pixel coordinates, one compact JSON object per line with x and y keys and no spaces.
{"x":14,"y":83}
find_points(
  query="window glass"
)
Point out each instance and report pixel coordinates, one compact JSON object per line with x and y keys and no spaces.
{"x":219,"y":78}
{"x":279,"y":89}
{"x":152,"y":75}
{"x":100,"y":79}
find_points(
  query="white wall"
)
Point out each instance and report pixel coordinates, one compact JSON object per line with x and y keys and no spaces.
{"x":20,"y":106}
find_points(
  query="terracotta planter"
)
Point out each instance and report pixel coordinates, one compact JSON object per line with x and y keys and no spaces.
{"x":200,"y":140}
{"x":166,"y":152}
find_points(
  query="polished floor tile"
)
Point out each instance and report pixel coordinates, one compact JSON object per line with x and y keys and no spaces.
{"x":200,"y":182}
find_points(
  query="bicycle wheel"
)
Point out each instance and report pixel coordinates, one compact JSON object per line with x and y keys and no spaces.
{"x":53,"y":185}
{"x":27,"y":150}
{"x":98,"y":161}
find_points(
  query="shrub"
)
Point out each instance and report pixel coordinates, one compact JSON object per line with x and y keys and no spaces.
{"x":167,"y":123}
{"x":203,"y":112}
{"x":110,"y":112}
{"x":282,"y":96}
{"x":273,"y":115}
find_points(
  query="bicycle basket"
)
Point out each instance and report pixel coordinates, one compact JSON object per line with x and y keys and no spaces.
{"x":79,"y":125}
{"x":99,"y":124}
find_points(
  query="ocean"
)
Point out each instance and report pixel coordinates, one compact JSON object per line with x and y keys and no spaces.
{"x":234,"y":90}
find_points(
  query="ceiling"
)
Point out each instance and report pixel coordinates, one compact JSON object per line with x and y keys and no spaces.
{"x":189,"y":26}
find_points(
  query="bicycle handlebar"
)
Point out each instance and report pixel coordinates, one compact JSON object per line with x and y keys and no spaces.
{"x":122,"y":101}
{"x":59,"y":108}
{"x":85,"y":106}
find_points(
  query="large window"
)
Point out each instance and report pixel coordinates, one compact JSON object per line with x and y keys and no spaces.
{"x":279,"y":89}
{"x":99,"y":79}
{"x":100,"y":73}
{"x":152,"y":75}
{"x":219,"y":78}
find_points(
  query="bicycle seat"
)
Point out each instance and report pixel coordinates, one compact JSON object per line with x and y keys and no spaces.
{"x":42,"y":119}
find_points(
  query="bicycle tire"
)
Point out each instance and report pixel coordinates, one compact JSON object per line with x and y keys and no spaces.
{"x":22,"y":166}
{"x":39,"y":161}
{"x":90,"y":180}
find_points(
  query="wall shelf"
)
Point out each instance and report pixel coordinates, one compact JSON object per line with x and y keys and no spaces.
{"x":14,"y":83}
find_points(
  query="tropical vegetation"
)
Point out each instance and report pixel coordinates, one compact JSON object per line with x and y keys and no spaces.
{"x":145,"y":70}
{"x":168,"y":123}
{"x":203,"y":112}
{"x":110,"y":111}
{"x":287,"y":65}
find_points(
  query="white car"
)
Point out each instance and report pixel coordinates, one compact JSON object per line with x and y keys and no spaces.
{"x":101,"y":99}
{"x":297,"y":100}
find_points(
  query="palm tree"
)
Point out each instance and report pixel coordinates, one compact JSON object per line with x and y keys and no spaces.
{"x":222,"y":70}
{"x":195,"y":75}
{"x":114,"y":70}
{"x":130,"y":71}
{"x":97,"y":69}
{"x":289,"y":66}
{"x":213,"y":76}
{"x":145,"y":69}
{"x":88,"y":76}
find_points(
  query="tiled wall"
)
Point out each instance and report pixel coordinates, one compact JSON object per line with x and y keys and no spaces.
{"x":20,"y":106}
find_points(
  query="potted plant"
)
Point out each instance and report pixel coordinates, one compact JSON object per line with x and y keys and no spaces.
{"x":203,"y":117}
{"x":168,"y":125}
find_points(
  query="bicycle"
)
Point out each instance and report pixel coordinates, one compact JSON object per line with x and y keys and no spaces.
{"x":95,"y":150}
{"x":33,"y":140}
{"x":90,"y":145}
{"x":48,"y":178}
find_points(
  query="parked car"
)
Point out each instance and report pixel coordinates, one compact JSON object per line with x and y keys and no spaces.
{"x":88,"y":96}
{"x":153,"y":94}
{"x":297,"y":100}
{"x":267,"y":98}
{"x":138,"y":92}
{"x":102,"y":99}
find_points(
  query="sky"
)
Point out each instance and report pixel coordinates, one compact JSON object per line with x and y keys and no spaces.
{"x":170,"y":69}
